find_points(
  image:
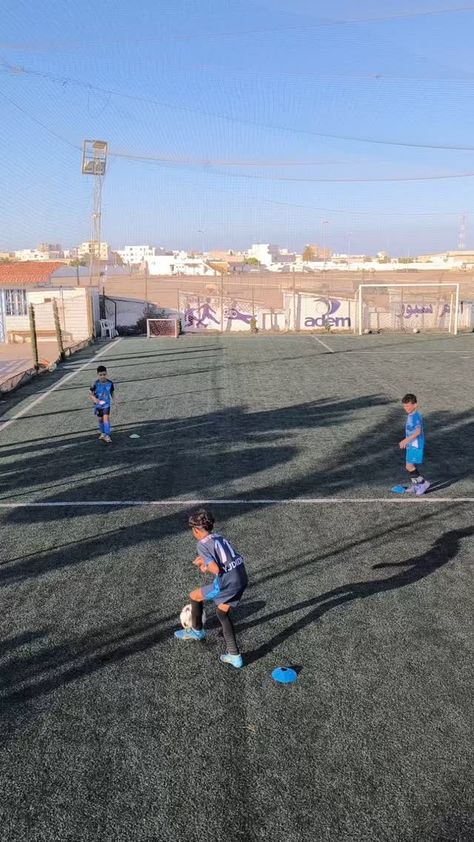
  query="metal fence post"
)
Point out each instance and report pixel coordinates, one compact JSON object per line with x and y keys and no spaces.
{"x":57,"y":327}
{"x":34,"y":338}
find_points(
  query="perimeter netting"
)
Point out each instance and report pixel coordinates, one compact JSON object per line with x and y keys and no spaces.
{"x":409,"y":307}
{"x":162,"y":327}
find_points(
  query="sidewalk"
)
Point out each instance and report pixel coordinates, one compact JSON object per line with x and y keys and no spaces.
{"x":16,"y":358}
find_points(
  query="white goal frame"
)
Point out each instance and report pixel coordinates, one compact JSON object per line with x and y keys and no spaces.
{"x":454,"y":287}
{"x":173,"y":335}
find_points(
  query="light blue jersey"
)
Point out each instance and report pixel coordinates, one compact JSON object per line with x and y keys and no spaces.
{"x":414,"y":451}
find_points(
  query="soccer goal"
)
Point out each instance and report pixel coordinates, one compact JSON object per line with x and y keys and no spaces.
{"x":162,"y":327}
{"x":403,"y":308}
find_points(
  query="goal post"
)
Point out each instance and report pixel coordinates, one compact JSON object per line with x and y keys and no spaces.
{"x":401,"y":308}
{"x":156,"y":328}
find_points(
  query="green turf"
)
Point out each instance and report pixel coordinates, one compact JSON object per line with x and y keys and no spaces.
{"x":114,"y":731}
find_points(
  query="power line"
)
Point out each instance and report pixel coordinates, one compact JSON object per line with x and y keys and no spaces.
{"x":164,"y":163}
{"x":273,"y":127}
{"x":213,"y":162}
{"x":160,"y":161}
{"x":235,"y":33}
{"x":39,"y":122}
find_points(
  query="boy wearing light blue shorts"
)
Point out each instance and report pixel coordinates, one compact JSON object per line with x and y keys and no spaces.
{"x":413,"y":444}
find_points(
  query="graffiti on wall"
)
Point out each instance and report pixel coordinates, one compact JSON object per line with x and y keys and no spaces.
{"x":201,"y":314}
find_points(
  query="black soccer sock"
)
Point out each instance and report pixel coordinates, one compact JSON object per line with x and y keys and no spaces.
{"x":196,"y":614}
{"x":415,"y":476}
{"x":228,"y":630}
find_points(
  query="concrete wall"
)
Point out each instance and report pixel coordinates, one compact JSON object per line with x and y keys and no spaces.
{"x":73,"y":310}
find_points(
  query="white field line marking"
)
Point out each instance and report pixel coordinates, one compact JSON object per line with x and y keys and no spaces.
{"x":323,"y":343}
{"x":56,"y":386}
{"x":299,"y":501}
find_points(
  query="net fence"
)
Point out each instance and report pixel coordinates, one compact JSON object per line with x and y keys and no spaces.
{"x":404,"y":308}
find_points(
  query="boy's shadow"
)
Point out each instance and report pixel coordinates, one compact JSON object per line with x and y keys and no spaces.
{"x":246,"y":609}
{"x":443,"y":550}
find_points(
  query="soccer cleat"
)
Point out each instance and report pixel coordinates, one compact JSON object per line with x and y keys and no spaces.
{"x":102,"y":437}
{"x":107,"y":440}
{"x":190,"y":634}
{"x":234,"y":660}
{"x":410,"y":488}
{"x":422,"y":488}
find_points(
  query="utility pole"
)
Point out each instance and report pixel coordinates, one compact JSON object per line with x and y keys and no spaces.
{"x":146,"y":285}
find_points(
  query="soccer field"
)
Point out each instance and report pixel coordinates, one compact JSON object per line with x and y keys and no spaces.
{"x":114,"y":731}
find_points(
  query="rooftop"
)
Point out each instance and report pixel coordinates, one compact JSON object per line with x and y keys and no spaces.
{"x":27,"y":273}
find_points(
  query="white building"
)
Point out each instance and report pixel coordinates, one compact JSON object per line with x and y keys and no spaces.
{"x":85,"y":250}
{"x":32,"y":254}
{"x":160,"y":264}
{"x":193,"y":266}
{"x":136,"y":254}
{"x":262,"y":253}
{"x":178,"y":263}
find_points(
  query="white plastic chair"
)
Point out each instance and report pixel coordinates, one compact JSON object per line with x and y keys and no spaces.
{"x":107,"y":328}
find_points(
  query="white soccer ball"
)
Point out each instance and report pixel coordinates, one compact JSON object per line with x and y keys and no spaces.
{"x":367,"y":331}
{"x":185,"y":617}
{"x":416,"y":330}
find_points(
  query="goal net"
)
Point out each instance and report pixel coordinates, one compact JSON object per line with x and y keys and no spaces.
{"x":162,"y":327}
{"x":408,"y":308}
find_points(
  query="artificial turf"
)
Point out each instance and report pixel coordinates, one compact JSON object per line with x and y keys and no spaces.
{"x":112,"y":730}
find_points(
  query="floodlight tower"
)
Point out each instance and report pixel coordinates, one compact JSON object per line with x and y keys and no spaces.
{"x":94,"y":162}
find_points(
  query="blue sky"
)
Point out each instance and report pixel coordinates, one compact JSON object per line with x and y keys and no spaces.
{"x":247,"y":120}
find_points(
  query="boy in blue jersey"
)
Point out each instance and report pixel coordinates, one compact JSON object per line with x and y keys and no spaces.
{"x":413,"y":444}
{"x":101,"y":394}
{"x":217,"y":556}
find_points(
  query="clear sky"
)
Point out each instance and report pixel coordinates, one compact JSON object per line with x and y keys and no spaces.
{"x":239,"y":121}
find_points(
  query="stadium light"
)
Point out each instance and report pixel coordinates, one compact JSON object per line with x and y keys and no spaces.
{"x":94,"y":162}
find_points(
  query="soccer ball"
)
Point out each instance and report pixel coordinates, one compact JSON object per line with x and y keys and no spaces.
{"x":185,"y":617}
{"x":367,"y":331}
{"x":416,"y":330}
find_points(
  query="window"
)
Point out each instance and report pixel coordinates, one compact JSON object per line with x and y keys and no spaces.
{"x":15,"y":302}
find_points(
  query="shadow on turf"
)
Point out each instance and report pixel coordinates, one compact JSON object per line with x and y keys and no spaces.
{"x":195,"y":449}
{"x":444,"y":549}
{"x":205,"y":455}
{"x":28,"y":676}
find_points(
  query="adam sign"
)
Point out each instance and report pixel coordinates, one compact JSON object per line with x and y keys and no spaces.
{"x":325,"y":312}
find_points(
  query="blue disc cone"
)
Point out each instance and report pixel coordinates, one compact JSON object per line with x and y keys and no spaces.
{"x":284,"y":675}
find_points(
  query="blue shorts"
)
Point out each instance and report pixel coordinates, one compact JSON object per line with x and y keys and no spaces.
{"x":414,"y":455}
{"x":224,"y":597}
{"x":100,"y":411}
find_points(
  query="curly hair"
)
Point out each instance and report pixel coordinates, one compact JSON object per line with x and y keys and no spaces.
{"x":202,"y":519}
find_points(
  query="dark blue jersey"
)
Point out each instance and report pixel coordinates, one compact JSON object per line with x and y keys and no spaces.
{"x":103,"y":392}
{"x":232,"y":576}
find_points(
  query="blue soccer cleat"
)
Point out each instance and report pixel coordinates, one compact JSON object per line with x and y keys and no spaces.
{"x":235,"y":660}
{"x":190,"y":634}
